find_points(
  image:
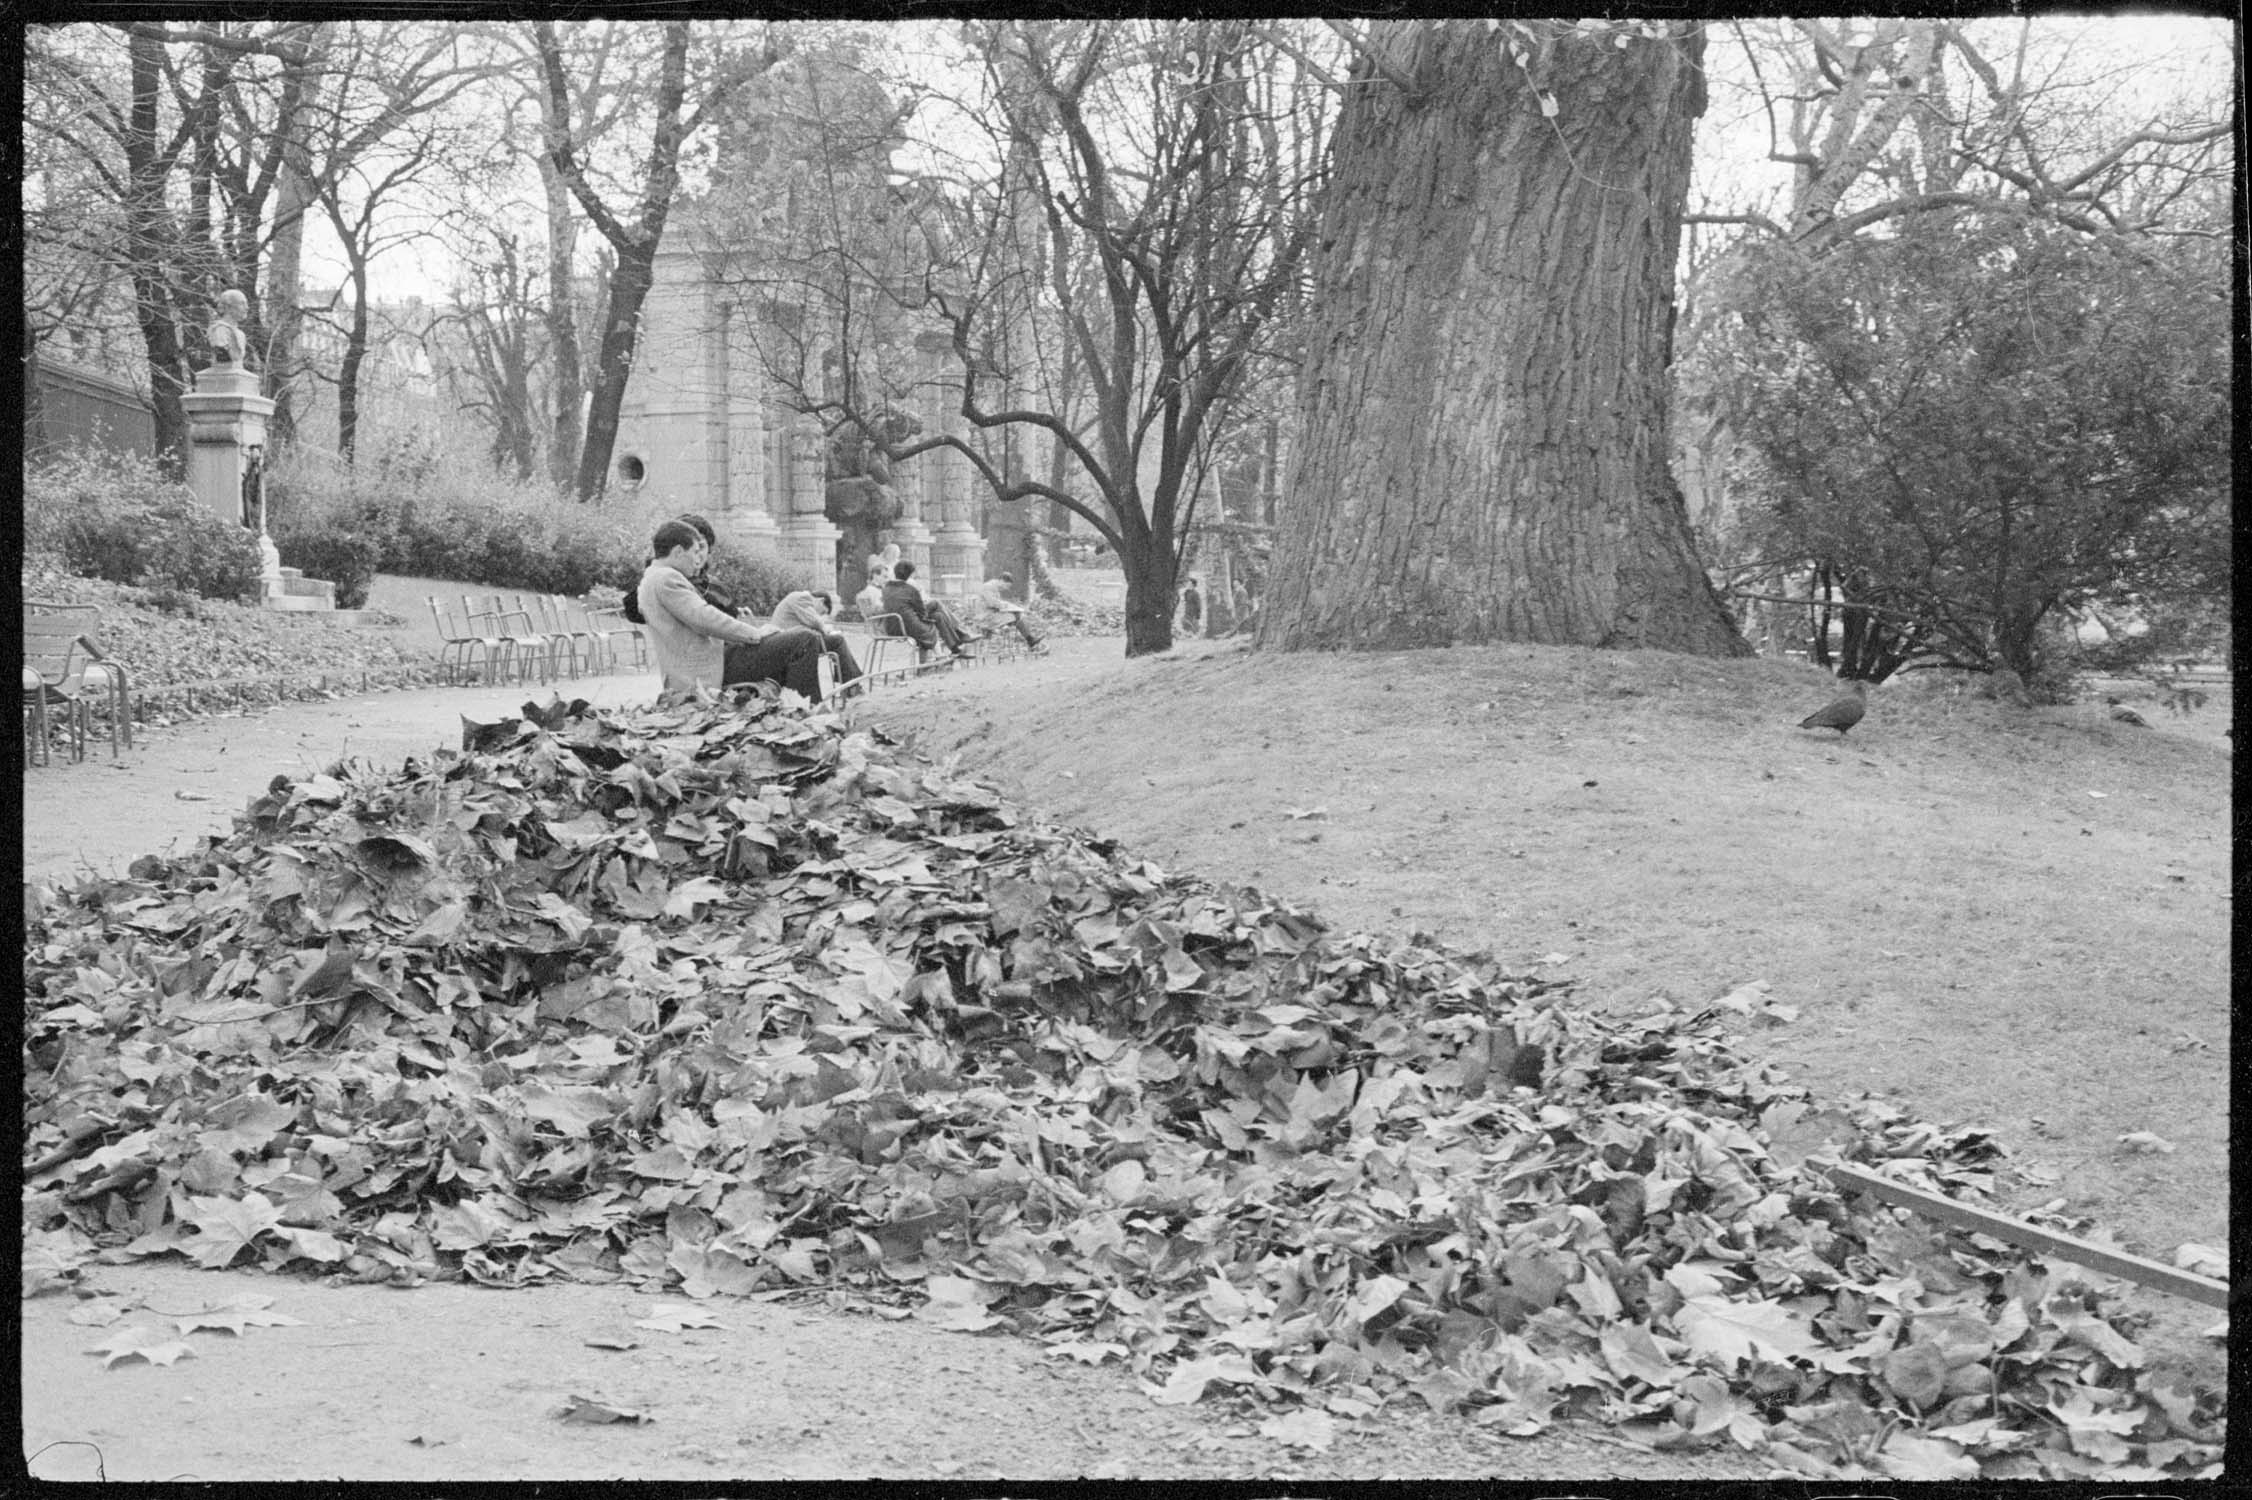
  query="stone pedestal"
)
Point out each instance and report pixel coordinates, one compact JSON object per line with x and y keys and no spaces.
{"x":226,"y":456}
{"x":226,"y":438}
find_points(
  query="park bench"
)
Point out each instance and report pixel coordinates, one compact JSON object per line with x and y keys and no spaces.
{"x":64,"y":670}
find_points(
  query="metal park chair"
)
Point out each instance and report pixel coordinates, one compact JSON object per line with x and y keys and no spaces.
{"x":464,"y":648}
{"x":64,"y":669}
{"x":527,"y":650}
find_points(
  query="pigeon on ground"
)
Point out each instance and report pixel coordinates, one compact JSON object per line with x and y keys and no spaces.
{"x":1842,"y":713}
{"x":2126,"y":715}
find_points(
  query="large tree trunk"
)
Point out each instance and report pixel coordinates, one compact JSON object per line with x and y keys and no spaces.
{"x":294,"y":195}
{"x":1150,"y":592}
{"x":569,"y":385}
{"x":1483,"y":414}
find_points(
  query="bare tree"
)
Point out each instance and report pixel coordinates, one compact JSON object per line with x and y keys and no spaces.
{"x":1104,"y":271}
{"x":499,"y":315}
{"x":1895,"y":116}
{"x":634,"y":236}
{"x":385,"y":127}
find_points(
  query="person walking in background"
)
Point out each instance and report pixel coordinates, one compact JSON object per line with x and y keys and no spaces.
{"x":926,"y":623}
{"x":1192,"y":609}
{"x":815,"y":610}
{"x":698,"y":646}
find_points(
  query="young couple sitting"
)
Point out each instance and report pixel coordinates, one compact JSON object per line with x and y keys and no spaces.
{"x":700,"y":645}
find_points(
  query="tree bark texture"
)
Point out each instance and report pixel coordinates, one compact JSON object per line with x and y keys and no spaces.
{"x":1483,"y":413}
{"x":152,"y":242}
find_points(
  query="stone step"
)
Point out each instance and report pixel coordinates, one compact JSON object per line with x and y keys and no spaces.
{"x":294,"y":591}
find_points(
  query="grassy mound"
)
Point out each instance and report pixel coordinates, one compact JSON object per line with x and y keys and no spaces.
{"x":745,"y":1003}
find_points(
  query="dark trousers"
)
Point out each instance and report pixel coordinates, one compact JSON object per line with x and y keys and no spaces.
{"x":848,"y":670}
{"x":942,"y":629}
{"x":791,"y":658}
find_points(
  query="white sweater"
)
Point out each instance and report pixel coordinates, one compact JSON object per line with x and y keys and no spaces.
{"x":689,"y":636}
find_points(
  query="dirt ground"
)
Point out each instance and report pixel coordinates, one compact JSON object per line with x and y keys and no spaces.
{"x":1992,"y":916}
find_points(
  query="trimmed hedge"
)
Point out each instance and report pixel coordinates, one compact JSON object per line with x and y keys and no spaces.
{"x":478,"y":528}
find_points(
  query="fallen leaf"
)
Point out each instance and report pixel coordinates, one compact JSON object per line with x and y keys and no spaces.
{"x":1086,"y":1351}
{"x":2203,"y":1260}
{"x":1745,"y":997}
{"x":99,"y":1313}
{"x":1189,"y":1378}
{"x":616,"y":1340}
{"x":958,"y":1303}
{"x":1906,"y":1456}
{"x":1916,"y":1374}
{"x":1750,"y":1329}
{"x":595,"y":1413}
{"x":1442,"y":1390}
{"x":226,"y":1227}
{"x":150,"y":1341}
{"x":1305,"y":1427}
{"x":675,"y":1317}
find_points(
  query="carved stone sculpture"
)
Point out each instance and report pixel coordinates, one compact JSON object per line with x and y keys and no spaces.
{"x":858,"y":497}
{"x":229,"y":349}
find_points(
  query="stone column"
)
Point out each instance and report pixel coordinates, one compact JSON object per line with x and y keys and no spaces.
{"x":746,"y":418}
{"x":226,"y":449}
{"x":808,"y":539}
{"x":957,"y":552}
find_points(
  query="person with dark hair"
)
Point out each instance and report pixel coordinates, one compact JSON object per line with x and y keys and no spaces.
{"x":927,"y":624}
{"x":699,"y":646}
{"x":714,"y":595}
{"x":815,"y":610}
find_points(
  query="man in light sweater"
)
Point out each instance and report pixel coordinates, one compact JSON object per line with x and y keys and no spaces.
{"x":700,"y":647}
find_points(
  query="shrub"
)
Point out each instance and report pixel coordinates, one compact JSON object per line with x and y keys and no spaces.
{"x":348,"y":561}
{"x":476,"y":526}
{"x":115,"y":516}
{"x":756,"y":580}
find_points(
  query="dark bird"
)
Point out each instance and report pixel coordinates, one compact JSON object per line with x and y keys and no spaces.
{"x":1841,"y":713}
{"x":2126,"y":715}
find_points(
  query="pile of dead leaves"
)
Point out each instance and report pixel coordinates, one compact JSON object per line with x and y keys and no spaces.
{"x":744,"y":1003}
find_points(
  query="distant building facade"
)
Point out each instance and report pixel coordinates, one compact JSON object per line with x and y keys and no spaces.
{"x":704,"y":429}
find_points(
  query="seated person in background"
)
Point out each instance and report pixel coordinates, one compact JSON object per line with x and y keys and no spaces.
{"x":994,"y":596}
{"x":927,"y":624}
{"x":699,"y":647}
{"x":815,"y":610}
